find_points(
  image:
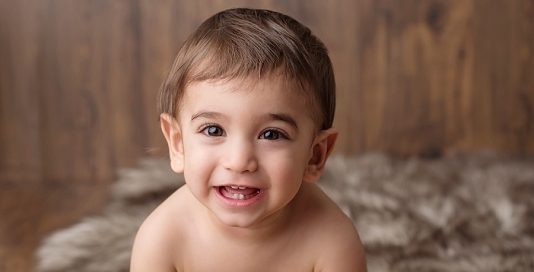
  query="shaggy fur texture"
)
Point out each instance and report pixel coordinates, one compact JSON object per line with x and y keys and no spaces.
{"x":460,"y":213}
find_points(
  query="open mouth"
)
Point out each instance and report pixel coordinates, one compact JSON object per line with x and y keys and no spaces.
{"x":238,"y":192}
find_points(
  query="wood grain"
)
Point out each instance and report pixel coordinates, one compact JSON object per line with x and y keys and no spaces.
{"x":20,"y":153}
{"x":80,"y":78}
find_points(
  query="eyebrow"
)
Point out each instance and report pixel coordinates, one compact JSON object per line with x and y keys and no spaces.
{"x":285,"y":118}
{"x":207,"y":114}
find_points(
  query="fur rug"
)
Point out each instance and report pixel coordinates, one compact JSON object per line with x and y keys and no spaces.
{"x":459,"y":213}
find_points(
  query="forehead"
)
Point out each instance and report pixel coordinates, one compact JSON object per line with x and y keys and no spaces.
{"x":283,"y":89}
{"x":274,"y":92}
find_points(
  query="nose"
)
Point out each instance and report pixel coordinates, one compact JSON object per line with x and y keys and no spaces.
{"x":240,"y":157}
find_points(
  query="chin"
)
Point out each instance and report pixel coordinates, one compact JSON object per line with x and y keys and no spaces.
{"x":237,"y":221}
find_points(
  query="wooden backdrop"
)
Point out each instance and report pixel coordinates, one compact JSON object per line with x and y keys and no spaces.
{"x":78,"y":78}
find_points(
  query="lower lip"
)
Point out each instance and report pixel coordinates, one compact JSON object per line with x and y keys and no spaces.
{"x":238,"y":203}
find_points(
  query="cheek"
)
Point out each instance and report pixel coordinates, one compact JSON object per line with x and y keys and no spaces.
{"x":287,"y":167}
{"x":199,"y":164}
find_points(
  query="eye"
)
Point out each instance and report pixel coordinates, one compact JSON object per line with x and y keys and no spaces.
{"x":213,"y":131}
{"x":272,"y":134}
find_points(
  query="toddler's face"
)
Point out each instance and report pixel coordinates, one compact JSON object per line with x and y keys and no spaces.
{"x":245,"y":147}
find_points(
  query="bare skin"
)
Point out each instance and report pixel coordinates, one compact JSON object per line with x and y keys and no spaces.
{"x":181,"y":235}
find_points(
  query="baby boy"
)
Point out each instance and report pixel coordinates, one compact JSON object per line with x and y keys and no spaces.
{"x":247,"y":111}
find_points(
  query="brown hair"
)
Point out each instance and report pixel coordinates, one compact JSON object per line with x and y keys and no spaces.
{"x":240,"y":43}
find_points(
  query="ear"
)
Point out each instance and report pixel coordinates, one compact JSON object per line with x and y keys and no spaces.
{"x":173,"y":135}
{"x":320,"y":151}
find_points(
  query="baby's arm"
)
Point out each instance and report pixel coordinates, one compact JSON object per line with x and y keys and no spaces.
{"x":152,"y":248}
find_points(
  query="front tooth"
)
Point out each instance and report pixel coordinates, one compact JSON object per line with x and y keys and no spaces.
{"x":241,"y":196}
{"x":242,"y":188}
{"x":234,"y":187}
{"x":236,"y":196}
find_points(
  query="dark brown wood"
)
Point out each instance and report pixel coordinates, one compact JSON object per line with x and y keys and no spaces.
{"x":29,"y":213}
{"x":80,"y":78}
{"x":20,"y":143}
{"x":92,"y":99}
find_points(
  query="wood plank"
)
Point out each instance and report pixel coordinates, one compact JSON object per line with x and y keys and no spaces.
{"x":409,"y":52}
{"x":92,"y":103}
{"x":19,"y":101}
{"x":79,"y":79}
{"x":503,"y":72}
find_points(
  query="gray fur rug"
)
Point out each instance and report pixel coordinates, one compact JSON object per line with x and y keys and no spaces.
{"x":459,"y":213}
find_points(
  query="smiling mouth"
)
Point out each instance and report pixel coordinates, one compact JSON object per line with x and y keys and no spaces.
{"x":238,"y":193}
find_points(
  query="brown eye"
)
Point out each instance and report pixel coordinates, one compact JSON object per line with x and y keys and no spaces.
{"x":270,"y":135}
{"x":213,"y":131}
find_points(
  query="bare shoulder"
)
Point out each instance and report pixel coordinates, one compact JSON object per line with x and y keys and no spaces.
{"x":157,"y":242}
{"x":341,"y":247}
{"x":337,"y":242}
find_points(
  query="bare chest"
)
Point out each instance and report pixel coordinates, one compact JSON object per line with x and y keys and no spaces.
{"x":235,"y":258}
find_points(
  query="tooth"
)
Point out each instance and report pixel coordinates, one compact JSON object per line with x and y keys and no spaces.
{"x":234,"y":187}
{"x":241,"y":196}
{"x":236,"y":196}
{"x":242,"y":188}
